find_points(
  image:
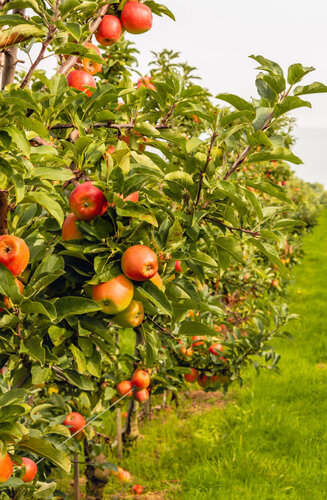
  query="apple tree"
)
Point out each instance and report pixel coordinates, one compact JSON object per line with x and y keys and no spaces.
{"x":128,"y":204}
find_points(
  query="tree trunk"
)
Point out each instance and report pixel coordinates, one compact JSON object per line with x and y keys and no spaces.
{"x":97,"y":478}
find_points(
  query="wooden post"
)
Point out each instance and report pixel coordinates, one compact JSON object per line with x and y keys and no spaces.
{"x":119,"y":436}
{"x":76,"y":477}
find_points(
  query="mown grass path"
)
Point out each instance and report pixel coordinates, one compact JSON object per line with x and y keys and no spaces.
{"x":271,"y":444}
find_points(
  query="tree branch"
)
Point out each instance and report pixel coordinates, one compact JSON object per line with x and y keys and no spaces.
{"x":116,"y":126}
{"x":213,"y":137}
{"x":238,"y":162}
{"x":9,"y":67}
{"x":3,"y":211}
{"x":72,"y":60}
{"x":231,"y":229}
{"x":39,"y":58}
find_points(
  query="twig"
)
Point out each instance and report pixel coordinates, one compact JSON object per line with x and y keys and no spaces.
{"x":45,"y":44}
{"x":72,"y":60}
{"x":238,"y":162}
{"x":164,"y":330}
{"x":116,"y":126}
{"x":203,"y":173}
{"x":168,"y":115}
{"x":3,"y":211}
{"x":230,"y":228}
{"x":38,"y":141}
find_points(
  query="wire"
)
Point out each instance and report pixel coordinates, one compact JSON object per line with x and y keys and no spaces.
{"x":88,"y":423}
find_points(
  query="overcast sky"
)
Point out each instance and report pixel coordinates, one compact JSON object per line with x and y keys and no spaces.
{"x":218,"y":36}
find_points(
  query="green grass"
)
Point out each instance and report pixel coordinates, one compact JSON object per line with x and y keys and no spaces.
{"x":271,"y":444}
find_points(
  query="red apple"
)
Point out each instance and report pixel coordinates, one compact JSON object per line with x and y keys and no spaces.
{"x":136,"y":18}
{"x":125,"y":387}
{"x":87,"y":201}
{"x":79,"y":79}
{"x":124,"y":476}
{"x":198,"y":340}
{"x":137,"y":489}
{"x":14,"y":253}
{"x":90,"y":66}
{"x":75,"y":421}
{"x":216,"y":348}
{"x":114,"y":295}
{"x":142,"y":395}
{"x":191,"y":377}
{"x":146,"y":82}
{"x":139,"y":263}
{"x":109,"y":30}
{"x":133,"y":197}
{"x":30,"y":469}
{"x":6,"y":468}
{"x":178,"y":267}
{"x":141,"y":379}
{"x":203,"y":380}
{"x":69,"y":229}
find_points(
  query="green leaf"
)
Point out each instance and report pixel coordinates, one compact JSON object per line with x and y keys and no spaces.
{"x":53,"y":174}
{"x":192,"y":144}
{"x":231,"y":246}
{"x":48,"y":203}
{"x":277,"y":154}
{"x":190,"y":328}
{"x":8,"y":285}
{"x":181,"y":178}
{"x":270,"y":252}
{"x":12,"y":396}
{"x":259,"y":138}
{"x":151,"y":292}
{"x":33,"y":347}
{"x":289,"y":103}
{"x":19,"y":33}
{"x":130,"y":209}
{"x":43,"y":448}
{"x":268,"y":65}
{"x":43,"y":307}
{"x":79,"y":359}
{"x":78,"y":380}
{"x":72,"y":306}
{"x":77,"y":49}
{"x":203,"y":258}
{"x":296,"y":72}
{"x":237,"y":102}
{"x":270,"y":188}
{"x":313,"y":88}
{"x":146,"y":129}
{"x":18,"y":137}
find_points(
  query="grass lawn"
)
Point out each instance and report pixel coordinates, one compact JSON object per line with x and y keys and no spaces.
{"x":272,"y":442}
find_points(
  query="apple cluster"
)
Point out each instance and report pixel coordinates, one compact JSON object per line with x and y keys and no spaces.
{"x":135,"y":18}
{"x":140,"y":381}
{"x":139,"y":263}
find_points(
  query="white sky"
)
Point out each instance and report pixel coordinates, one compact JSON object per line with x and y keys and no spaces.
{"x":217,"y":37}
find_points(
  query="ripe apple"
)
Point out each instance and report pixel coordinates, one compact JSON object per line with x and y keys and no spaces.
{"x":133,"y":197}
{"x":182,"y":350}
{"x":189,"y":352}
{"x":89,"y":66}
{"x":146,"y":82}
{"x":198,"y":340}
{"x":111,"y":149}
{"x":114,"y":295}
{"x":14,"y":253}
{"x":139,"y":263}
{"x":87,"y":201}
{"x":30,"y":469}
{"x":124,"y":476}
{"x":125,"y":387}
{"x":79,"y":79}
{"x":216,"y":348}
{"x":109,"y":30}
{"x":203,"y":380}
{"x":191,"y":377}
{"x":141,"y":379}
{"x":275,"y":283}
{"x":69,"y":229}
{"x":137,"y":489}
{"x":75,"y":421}
{"x":136,"y":18}
{"x":132,"y":316}
{"x":7,"y":301}
{"x":157,"y":281}
{"x":6,"y":468}
{"x":142,"y":395}
{"x":178,"y":267}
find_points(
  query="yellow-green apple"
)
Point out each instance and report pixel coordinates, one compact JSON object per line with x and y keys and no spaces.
{"x":114,"y":295}
{"x":132,"y":316}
